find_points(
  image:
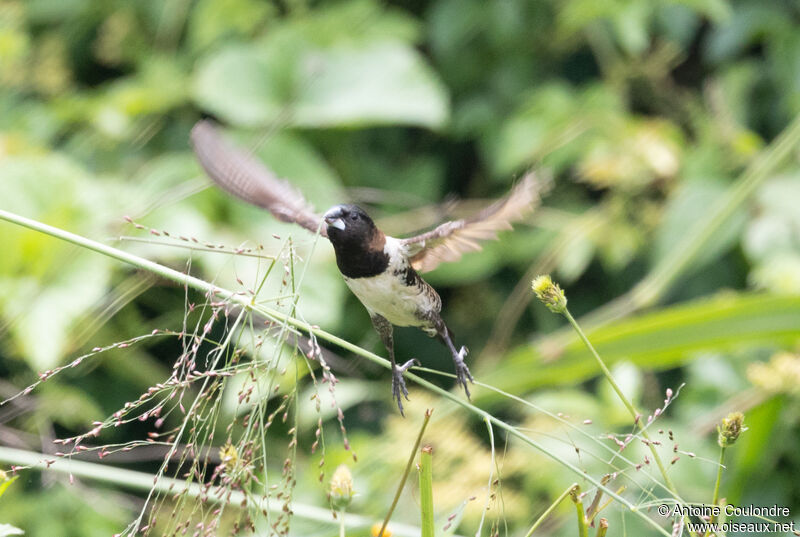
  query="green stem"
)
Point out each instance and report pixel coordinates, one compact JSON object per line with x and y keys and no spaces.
{"x":341,"y":524}
{"x":144,"y":482}
{"x":205,"y":287}
{"x":719,"y":475}
{"x":490,"y":480}
{"x":550,"y":509}
{"x":409,"y":464}
{"x":583,"y":528}
{"x":637,"y":418}
{"x":602,"y":527}
{"x":634,"y":414}
{"x":426,"y":490}
{"x":721,"y":467}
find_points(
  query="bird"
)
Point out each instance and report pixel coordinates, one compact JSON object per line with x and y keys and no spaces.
{"x":382,"y":271}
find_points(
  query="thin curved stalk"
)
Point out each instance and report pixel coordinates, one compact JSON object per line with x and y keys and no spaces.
{"x":550,"y":510}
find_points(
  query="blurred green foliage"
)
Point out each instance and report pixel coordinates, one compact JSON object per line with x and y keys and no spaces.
{"x":644,"y":112}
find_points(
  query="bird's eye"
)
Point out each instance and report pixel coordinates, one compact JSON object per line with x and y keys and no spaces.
{"x":354,"y":216}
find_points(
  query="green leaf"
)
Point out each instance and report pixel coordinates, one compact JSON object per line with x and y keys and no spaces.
{"x":772,"y":239}
{"x":746,"y":25}
{"x":353,"y":21}
{"x":214,"y":20}
{"x":240,"y":85}
{"x":690,"y":204}
{"x":631,"y":26}
{"x":158,"y":87}
{"x":776,"y":228}
{"x":44,"y":511}
{"x":557,"y":125}
{"x":660,"y":340}
{"x":7,"y":483}
{"x":574,"y":260}
{"x":46,"y":285}
{"x":45,"y":314}
{"x":342,"y":85}
{"x":754,"y":452}
{"x":716,"y":10}
{"x":386,"y":83}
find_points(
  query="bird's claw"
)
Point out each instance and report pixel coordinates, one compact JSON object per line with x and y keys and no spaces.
{"x":399,"y":389}
{"x":462,"y":371}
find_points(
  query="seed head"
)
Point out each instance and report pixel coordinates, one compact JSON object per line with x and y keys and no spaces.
{"x":549,"y":293}
{"x":730,"y":429}
{"x":341,"y":492}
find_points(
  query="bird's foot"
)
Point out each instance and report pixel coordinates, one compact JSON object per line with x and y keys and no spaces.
{"x":462,"y":371}
{"x":399,"y":389}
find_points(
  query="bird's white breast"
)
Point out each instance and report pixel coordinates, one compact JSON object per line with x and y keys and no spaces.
{"x":388,"y":294}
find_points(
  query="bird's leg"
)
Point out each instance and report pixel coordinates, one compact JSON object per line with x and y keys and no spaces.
{"x":462,"y":371}
{"x":399,"y":390}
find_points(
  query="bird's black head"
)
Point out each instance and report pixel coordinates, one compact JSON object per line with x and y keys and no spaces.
{"x":349,"y":224}
{"x":357,"y":242}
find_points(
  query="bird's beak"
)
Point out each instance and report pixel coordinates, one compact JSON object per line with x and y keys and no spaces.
{"x":334,"y":218}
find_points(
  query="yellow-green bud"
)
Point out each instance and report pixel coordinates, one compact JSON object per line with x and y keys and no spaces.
{"x":341,"y":488}
{"x":729,"y":430}
{"x":549,"y":293}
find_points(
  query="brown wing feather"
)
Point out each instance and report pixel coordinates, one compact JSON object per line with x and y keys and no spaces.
{"x":243,"y":176}
{"x":449,"y":241}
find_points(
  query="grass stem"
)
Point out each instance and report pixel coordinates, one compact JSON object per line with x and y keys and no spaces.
{"x":583,"y":527}
{"x":602,"y":527}
{"x":550,"y":509}
{"x":719,"y":475}
{"x":721,"y":467}
{"x":409,"y":464}
{"x":426,"y":490}
{"x":634,"y":414}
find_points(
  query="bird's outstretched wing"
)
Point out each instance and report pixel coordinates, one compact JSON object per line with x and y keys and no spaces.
{"x":450,"y":240}
{"x":243,"y":176}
